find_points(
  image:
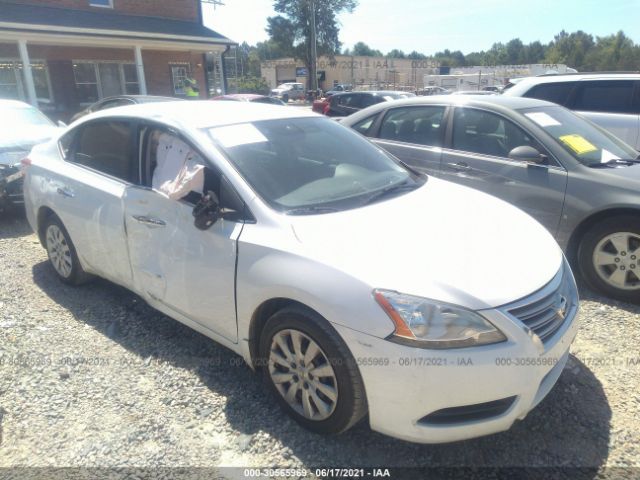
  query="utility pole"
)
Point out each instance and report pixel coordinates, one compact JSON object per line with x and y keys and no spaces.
{"x":314,"y":49}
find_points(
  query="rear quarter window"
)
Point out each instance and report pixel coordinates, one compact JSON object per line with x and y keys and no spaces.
{"x":615,"y":96}
{"x":552,"y":92}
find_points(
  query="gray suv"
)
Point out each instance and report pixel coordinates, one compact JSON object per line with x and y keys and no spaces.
{"x":609,"y":100}
{"x":575,"y":178}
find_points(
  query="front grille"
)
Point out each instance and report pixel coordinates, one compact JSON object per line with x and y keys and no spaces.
{"x":546,"y":311}
{"x":468,"y":413}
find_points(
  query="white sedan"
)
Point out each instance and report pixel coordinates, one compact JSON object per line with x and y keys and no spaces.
{"x":355,"y":284}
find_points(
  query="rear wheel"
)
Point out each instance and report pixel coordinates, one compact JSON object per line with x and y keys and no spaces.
{"x":62,"y":253}
{"x":285,"y":98}
{"x":609,"y":257}
{"x":311,"y":371}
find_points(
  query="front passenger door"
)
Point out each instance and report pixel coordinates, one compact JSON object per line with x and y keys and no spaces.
{"x":414,"y":135}
{"x":478,"y":157}
{"x":186,"y":272}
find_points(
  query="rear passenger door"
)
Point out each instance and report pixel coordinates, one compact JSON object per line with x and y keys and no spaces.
{"x":100,"y":163}
{"x":612,"y":104}
{"x":415,"y":135}
{"x":478,"y":157}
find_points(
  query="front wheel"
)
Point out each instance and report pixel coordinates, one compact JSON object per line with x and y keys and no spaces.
{"x":609,"y":257}
{"x":311,"y":371}
{"x":285,"y":98}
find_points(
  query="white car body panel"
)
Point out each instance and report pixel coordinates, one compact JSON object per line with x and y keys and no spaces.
{"x":442,"y":241}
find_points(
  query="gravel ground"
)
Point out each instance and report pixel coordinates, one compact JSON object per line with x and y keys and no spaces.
{"x":93,"y":377}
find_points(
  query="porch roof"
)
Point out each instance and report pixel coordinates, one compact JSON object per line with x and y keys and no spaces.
{"x":15,"y":18}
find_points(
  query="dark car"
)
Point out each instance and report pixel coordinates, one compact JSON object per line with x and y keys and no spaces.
{"x":344,"y":104}
{"x":577,"y":179}
{"x":249,"y":97}
{"x":21,"y":127}
{"x":121,"y":101}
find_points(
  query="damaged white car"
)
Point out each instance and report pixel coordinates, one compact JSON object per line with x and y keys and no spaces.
{"x":354,"y":283}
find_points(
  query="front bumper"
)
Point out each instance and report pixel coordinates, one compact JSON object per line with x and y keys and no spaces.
{"x":411,"y":390}
{"x":11,"y":179}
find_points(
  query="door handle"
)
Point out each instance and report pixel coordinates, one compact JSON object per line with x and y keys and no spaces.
{"x":149,"y":221}
{"x":65,"y":192}
{"x":459,"y":167}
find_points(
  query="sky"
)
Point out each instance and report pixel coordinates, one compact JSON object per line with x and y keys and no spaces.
{"x":429,"y":26}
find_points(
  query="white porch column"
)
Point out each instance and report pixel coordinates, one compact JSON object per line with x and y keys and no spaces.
{"x":28,"y":74}
{"x":140,"y":69}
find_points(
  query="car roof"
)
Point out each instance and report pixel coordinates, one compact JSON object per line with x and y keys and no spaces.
{"x":497,"y":102}
{"x":576,"y":77}
{"x":139,"y":98}
{"x":203,"y":113}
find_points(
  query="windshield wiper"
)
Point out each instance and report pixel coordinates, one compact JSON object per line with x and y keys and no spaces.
{"x":617,"y":161}
{"x":310,"y":210}
{"x":397,"y":188}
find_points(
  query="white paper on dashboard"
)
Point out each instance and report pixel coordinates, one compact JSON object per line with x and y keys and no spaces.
{"x":607,"y":155}
{"x":234,"y":135}
{"x":543,"y":119}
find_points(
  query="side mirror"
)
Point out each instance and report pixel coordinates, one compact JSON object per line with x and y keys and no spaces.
{"x":61,"y":124}
{"x":527,"y":154}
{"x":207,"y":211}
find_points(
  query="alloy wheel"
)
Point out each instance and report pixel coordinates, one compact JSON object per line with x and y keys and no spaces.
{"x":59,"y":251}
{"x":303,"y":375}
{"x":616,"y":260}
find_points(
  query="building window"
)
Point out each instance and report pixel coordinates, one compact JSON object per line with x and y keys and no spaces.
{"x":97,"y":80}
{"x":179,"y":73}
{"x":101,"y":3}
{"x":12,"y":83}
{"x":86,"y":82}
{"x":130,"y":79}
{"x":9,"y":80}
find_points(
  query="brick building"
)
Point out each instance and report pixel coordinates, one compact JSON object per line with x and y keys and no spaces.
{"x":65,"y":54}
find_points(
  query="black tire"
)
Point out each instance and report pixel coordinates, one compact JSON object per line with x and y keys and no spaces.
{"x":285,"y":98}
{"x":588,"y":245}
{"x":76,"y":275}
{"x":351,"y":404}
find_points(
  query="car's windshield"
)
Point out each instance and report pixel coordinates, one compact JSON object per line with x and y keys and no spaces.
{"x":582,"y":139}
{"x":12,"y":117}
{"x":301,"y":163}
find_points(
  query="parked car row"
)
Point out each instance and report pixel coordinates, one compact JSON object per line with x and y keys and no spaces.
{"x":341,"y":261}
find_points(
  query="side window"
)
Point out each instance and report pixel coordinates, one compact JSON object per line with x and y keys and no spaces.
{"x":368,"y":100}
{"x":175,"y":169}
{"x":486,"y":133}
{"x":615,"y":96}
{"x":107,"y":146}
{"x":344,"y":100}
{"x":363,"y":126}
{"x":419,"y":125}
{"x":552,"y":92}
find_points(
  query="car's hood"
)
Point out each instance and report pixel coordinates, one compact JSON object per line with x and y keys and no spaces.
{"x":24,"y":138}
{"x":443,"y":241}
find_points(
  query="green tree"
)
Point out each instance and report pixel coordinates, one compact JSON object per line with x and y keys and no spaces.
{"x":395,"y":53}
{"x":361,"y":49}
{"x":570,"y":49}
{"x":416,"y":56}
{"x":292,"y":29}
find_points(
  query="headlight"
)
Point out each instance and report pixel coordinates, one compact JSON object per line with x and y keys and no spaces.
{"x":428,"y":324}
